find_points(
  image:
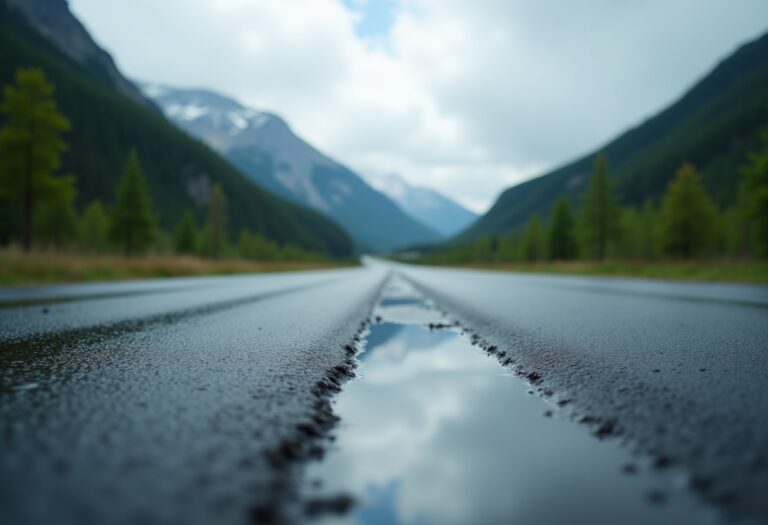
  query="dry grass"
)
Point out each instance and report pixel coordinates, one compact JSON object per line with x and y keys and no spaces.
{"x":719,"y":271}
{"x":17,"y":267}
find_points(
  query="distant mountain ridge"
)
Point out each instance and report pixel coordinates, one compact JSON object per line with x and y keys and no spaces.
{"x":52,"y":19}
{"x":107,"y":123}
{"x":713,"y":125}
{"x":431,"y":207}
{"x":264,"y":147}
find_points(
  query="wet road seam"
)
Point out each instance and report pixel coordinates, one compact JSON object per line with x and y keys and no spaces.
{"x":602,"y":427}
{"x":310,"y":437}
{"x":307,"y":442}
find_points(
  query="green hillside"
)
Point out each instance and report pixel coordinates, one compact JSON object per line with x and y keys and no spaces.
{"x":713,"y":126}
{"x":180,"y":170}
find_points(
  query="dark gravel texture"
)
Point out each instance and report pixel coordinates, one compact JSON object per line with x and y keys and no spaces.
{"x":190,"y":401}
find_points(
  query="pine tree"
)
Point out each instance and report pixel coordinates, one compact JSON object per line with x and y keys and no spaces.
{"x":648,"y":242}
{"x":562,"y":238}
{"x":30,"y":145}
{"x":687,"y":216}
{"x":186,"y":235}
{"x":506,"y":250}
{"x":599,"y":212}
{"x":532,"y":241}
{"x":482,"y":250}
{"x":55,"y":220}
{"x":94,"y":228}
{"x":628,"y":242}
{"x":245,"y":246}
{"x":729,"y":231}
{"x":256,"y":247}
{"x":754,"y":194}
{"x":217,"y":226}
{"x":133,"y":223}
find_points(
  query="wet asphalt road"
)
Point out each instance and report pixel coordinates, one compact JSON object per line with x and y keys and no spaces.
{"x":679,"y":370}
{"x":176,"y":403}
{"x":195,"y":400}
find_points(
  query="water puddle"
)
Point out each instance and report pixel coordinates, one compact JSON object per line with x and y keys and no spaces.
{"x":434,"y":431}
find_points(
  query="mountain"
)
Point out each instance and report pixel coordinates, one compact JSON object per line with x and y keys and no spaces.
{"x":107,"y":123}
{"x":428,"y":206}
{"x":265,"y":148}
{"x":713,"y":126}
{"x":53,"y":20}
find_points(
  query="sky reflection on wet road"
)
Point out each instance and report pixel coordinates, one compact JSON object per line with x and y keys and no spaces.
{"x":435,"y":431}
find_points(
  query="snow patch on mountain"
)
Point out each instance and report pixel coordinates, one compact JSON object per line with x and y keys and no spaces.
{"x":264,"y":147}
{"x":425,"y":205}
{"x":154,"y":90}
{"x":186,"y":111}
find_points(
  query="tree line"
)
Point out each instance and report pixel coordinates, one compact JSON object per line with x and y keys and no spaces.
{"x":684,"y":225}
{"x":38,"y":202}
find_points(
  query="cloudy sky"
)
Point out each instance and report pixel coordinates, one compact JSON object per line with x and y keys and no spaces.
{"x":468,"y":96}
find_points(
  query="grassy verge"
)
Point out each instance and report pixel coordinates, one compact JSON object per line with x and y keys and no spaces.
{"x":17,"y":267}
{"x":721,"y":271}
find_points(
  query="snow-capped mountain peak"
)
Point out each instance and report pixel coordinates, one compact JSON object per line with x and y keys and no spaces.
{"x":218,"y":120}
{"x":186,"y":111}
{"x":265,"y":148}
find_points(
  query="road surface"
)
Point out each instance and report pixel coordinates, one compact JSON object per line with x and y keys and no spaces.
{"x":197,"y":400}
{"x":679,"y":370}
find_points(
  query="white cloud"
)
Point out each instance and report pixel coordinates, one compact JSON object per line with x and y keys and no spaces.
{"x":467,"y":97}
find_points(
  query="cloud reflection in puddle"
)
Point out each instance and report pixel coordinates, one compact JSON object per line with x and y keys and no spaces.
{"x":435,"y":431}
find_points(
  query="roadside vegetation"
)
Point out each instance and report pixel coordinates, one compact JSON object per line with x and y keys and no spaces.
{"x":45,"y":238}
{"x":50,"y":266}
{"x":683,"y":236}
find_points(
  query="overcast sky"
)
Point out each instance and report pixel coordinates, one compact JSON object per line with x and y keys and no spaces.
{"x":467,"y":96}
